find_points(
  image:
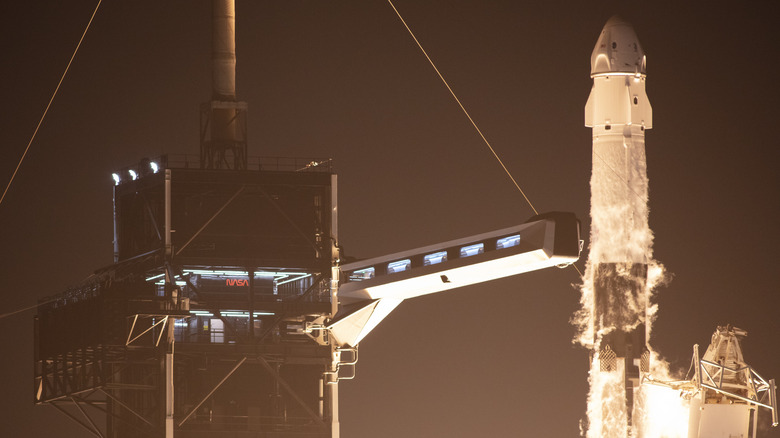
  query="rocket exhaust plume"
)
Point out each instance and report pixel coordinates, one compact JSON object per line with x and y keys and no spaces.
{"x":620,"y":272}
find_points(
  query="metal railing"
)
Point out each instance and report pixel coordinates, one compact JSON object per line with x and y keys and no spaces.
{"x":192,"y":161}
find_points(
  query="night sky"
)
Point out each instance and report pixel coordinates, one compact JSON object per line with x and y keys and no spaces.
{"x":343,"y":79}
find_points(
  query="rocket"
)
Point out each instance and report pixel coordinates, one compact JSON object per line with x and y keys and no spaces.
{"x":619,"y":113}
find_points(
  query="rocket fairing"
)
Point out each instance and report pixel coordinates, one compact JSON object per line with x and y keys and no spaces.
{"x":619,"y":113}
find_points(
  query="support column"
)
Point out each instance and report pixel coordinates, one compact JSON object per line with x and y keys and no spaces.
{"x":251,"y":272}
{"x":168,"y":243}
{"x":333,"y":386}
{"x":169,"y":406}
{"x":170,"y":284}
{"x":334,"y":409}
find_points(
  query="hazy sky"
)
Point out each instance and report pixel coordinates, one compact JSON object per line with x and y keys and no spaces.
{"x":343,"y":79}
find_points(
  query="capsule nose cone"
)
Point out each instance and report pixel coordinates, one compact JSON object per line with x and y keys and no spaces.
{"x":617,"y":50}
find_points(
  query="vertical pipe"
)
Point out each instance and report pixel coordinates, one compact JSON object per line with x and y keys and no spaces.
{"x":754,"y":413}
{"x":116,"y":235}
{"x":322,"y":398}
{"x":698,"y":365}
{"x":334,"y":408}
{"x":40,"y":371}
{"x":277,"y":395}
{"x":333,"y":387}
{"x":223,"y":54}
{"x":334,"y":234}
{"x":168,"y":247}
{"x":251,"y":272}
{"x":169,"y":282}
{"x":773,"y":401}
{"x":169,"y":407}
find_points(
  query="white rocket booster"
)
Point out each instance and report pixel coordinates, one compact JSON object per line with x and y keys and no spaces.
{"x":619,"y":113}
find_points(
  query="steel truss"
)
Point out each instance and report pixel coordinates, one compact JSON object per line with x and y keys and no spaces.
{"x":125,"y":354}
{"x":754,"y":390}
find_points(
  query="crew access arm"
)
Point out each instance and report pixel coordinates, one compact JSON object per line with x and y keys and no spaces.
{"x":370,"y":289}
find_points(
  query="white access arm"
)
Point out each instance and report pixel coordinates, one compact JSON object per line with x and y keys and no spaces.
{"x":372,"y":288}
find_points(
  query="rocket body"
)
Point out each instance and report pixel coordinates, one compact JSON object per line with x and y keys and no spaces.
{"x":619,"y":113}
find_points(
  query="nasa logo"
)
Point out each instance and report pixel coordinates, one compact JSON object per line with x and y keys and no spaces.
{"x":236,"y":282}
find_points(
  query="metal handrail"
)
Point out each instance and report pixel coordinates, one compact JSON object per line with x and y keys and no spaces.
{"x":257,"y":163}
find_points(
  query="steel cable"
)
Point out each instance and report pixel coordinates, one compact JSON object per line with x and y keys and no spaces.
{"x":474,"y":124}
{"x":40,"y":122}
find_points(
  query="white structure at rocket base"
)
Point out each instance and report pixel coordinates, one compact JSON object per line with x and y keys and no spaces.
{"x":621,"y":242}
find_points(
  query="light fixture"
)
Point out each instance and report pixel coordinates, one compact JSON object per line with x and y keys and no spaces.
{"x":116,"y":178}
{"x":133,"y":175}
{"x":154,"y":166}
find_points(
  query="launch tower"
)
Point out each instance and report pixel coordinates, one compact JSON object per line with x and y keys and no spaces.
{"x":227,"y":312}
{"x":230,"y":267}
{"x":222,"y":264}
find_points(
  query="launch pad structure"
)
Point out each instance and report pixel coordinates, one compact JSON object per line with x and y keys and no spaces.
{"x":210,"y":321}
{"x":228,"y":311}
{"x":223,"y":314}
{"x":232,"y":267}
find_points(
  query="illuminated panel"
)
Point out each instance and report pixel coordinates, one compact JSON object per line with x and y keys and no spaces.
{"x":232,"y":277}
{"x":362,"y":274}
{"x":508,"y":242}
{"x":242,"y":313}
{"x":399,"y":266}
{"x":472,"y":250}
{"x":435,"y":258}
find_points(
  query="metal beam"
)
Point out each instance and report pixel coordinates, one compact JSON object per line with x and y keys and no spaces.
{"x":132,"y":328}
{"x":115,"y":416}
{"x":79,"y":422}
{"x":290,"y":391}
{"x":120,"y":403}
{"x":214,"y":216}
{"x":311,"y":288}
{"x":213,"y":390}
{"x":151,"y":217}
{"x":294,"y":225}
{"x":281,"y":316}
{"x":84,"y":413}
{"x":773,"y":401}
{"x":731,"y":394}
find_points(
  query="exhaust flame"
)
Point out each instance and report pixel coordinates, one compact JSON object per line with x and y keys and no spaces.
{"x":607,"y":415}
{"x":662,"y":412}
{"x":621,"y":239}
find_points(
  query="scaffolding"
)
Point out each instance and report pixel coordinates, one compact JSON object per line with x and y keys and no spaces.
{"x":211,"y":320}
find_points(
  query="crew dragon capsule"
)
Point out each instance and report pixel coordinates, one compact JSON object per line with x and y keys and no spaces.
{"x":619,"y":113}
